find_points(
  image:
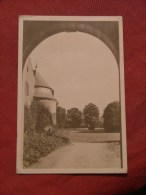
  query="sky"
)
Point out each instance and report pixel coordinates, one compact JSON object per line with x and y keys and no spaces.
{"x":80,"y":68}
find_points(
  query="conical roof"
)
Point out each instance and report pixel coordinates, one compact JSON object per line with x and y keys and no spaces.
{"x":40,"y":82}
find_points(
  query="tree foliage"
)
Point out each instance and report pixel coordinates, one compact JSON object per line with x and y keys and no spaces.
{"x":74,"y":117}
{"x":61,"y":117}
{"x":91,"y":115}
{"x":112,"y":117}
{"x":36,"y":117}
{"x":44,"y":117}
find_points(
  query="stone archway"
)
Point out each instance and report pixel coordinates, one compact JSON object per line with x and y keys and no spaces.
{"x":36,"y":31}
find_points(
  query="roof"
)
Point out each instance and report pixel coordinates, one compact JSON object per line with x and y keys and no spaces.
{"x":41,"y":95}
{"x":40,"y":82}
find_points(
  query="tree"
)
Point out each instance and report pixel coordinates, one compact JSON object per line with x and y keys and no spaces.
{"x":112,"y":117}
{"x":91,"y":115}
{"x":61,"y":117}
{"x":74,"y":117}
{"x":41,"y":116}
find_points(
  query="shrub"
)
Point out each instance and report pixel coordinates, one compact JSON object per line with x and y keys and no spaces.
{"x":61,"y":117}
{"x":43,"y":118}
{"x":37,"y":145}
{"x":112,"y":117}
{"x":27,"y":119}
{"x":37,"y":141}
{"x":36,"y":117}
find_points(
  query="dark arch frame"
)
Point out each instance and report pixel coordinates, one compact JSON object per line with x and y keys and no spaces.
{"x":34,"y":32}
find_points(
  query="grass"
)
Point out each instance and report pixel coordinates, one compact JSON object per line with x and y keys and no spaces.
{"x":85,"y":136}
{"x":86,"y":130}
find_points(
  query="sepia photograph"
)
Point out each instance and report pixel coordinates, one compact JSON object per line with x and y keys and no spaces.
{"x":71,"y":95}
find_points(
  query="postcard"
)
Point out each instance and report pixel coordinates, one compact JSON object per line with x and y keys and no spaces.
{"x":71,"y":95}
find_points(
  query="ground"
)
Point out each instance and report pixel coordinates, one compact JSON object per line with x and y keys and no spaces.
{"x":87,"y":150}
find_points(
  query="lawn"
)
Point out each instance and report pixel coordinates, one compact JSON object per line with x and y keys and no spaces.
{"x":83,"y":135}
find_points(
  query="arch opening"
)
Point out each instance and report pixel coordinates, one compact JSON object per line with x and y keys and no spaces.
{"x":58,"y":45}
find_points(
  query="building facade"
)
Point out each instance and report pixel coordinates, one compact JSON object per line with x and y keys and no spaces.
{"x":35,"y":87}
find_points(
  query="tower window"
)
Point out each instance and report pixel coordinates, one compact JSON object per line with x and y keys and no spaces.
{"x":27,"y":68}
{"x":27,"y":89}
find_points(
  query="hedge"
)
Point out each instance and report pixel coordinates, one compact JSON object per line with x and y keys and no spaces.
{"x":37,"y":145}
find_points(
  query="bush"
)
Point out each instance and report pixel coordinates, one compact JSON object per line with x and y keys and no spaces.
{"x":43,"y":117}
{"x":27,"y":119}
{"x":37,"y":141}
{"x":112,"y":117}
{"x":37,"y":145}
{"x":36,"y":117}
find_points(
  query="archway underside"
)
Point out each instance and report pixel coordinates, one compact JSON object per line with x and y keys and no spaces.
{"x":35,"y":34}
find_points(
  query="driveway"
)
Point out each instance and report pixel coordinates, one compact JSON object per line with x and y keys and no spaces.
{"x":83,"y":155}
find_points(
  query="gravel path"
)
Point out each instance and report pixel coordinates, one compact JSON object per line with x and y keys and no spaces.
{"x":83,"y":155}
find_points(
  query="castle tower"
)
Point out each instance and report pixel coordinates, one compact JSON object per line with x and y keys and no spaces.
{"x":45,"y":95}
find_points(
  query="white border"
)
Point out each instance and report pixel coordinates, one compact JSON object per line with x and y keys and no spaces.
{"x":20,"y":115}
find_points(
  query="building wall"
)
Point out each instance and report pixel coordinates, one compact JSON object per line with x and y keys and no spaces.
{"x":28,"y":83}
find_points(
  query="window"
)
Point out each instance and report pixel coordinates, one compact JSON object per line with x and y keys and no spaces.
{"x":27,"y":89}
{"x":27,"y":68}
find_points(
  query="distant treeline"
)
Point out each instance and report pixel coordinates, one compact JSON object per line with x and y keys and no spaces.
{"x":38,"y":117}
{"x":89,"y":117}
